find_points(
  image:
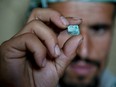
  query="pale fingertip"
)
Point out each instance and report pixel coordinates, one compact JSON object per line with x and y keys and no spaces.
{"x":57,"y":51}
{"x":64,"y":21}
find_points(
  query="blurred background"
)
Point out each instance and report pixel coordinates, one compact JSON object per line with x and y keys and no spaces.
{"x":13,"y":14}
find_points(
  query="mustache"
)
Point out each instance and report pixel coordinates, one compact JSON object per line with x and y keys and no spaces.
{"x":86,"y":60}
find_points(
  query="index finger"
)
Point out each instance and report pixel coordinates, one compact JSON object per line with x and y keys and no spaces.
{"x":48,"y":15}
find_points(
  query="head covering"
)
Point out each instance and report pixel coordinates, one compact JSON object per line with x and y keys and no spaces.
{"x":44,"y":2}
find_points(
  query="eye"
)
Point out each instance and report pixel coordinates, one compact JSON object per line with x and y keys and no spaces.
{"x":99,"y":29}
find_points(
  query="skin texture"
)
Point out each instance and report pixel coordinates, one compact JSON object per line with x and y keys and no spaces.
{"x":38,"y":55}
{"x":96,"y":42}
{"x":32,"y":58}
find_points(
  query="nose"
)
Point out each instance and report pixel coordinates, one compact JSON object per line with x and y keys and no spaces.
{"x":84,"y":48}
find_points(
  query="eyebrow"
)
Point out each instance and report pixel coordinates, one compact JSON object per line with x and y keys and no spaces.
{"x":101,"y":25}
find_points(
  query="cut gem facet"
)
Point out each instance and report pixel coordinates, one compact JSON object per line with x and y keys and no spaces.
{"x":73,"y":30}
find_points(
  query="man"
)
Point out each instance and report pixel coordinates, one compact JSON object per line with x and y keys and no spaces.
{"x":44,"y":54}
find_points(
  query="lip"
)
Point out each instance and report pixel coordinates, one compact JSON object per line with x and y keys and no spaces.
{"x":82,"y":68}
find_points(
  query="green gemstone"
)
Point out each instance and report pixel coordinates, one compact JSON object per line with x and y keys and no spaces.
{"x":73,"y":30}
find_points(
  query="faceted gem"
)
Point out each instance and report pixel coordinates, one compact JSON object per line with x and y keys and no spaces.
{"x":73,"y":30}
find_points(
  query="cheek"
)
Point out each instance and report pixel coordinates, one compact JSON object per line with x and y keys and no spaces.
{"x":102,"y":44}
{"x":101,"y":47}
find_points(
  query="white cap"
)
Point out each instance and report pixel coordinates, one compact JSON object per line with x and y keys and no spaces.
{"x":44,"y":2}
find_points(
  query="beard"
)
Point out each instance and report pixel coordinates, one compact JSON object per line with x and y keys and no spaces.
{"x":93,"y":83}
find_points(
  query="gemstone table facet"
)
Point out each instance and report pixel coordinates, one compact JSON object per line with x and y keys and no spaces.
{"x":73,"y":30}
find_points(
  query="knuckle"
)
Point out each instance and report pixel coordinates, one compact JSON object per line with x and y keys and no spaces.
{"x":29,"y":36}
{"x":5,"y":49}
{"x":4,"y":44}
{"x":55,"y":13}
{"x":35,"y":24}
{"x":36,"y":10}
{"x":49,"y":10}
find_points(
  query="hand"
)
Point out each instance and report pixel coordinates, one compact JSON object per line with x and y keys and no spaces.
{"x":33,"y":58}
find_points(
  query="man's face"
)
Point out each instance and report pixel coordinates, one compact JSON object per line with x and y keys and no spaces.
{"x":96,"y":30}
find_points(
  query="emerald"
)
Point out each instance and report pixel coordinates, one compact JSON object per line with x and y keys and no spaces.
{"x":73,"y":30}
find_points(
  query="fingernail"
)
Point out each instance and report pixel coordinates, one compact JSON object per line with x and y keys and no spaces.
{"x":64,"y":20}
{"x":57,"y":50}
{"x":77,"y":19}
{"x":44,"y":62}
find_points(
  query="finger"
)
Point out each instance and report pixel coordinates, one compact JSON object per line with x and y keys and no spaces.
{"x":55,"y":17}
{"x":49,"y":15}
{"x":71,"y":45}
{"x":45,"y":34}
{"x":13,"y":60}
{"x":18,"y":47}
{"x":74,"y":20}
{"x":69,"y":52}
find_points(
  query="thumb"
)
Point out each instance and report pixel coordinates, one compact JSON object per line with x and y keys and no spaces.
{"x":68,"y":53}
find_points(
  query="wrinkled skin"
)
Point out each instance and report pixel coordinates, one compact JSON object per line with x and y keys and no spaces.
{"x":37,"y":56}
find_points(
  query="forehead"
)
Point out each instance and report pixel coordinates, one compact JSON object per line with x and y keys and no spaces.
{"x":85,"y":10}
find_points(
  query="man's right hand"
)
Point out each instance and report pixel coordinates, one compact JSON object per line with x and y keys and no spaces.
{"x":33,"y":57}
